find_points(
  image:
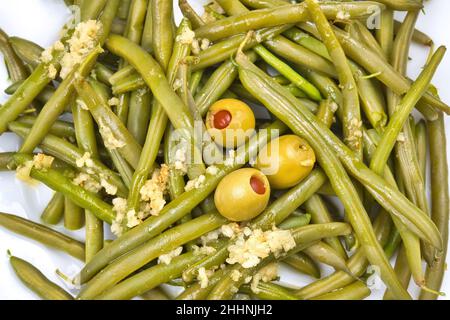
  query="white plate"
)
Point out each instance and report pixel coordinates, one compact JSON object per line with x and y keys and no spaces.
{"x":40,"y":21}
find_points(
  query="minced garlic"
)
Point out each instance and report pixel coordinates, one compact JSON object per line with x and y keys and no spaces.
{"x":23,"y":172}
{"x":154,"y":190}
{"x":250,"y":248}
{"x":109,"y":188}
{"x":85,"y":160}
{"x":203,"y":277}
{"x":86,"y":181}
{"x":265,"y":274}
{"x":195,"y":47}
{"x":180,"y":160}
{"x":195,"y":183}
{"x":235,"y":275}
{"x":132,"y":219}
{"x":82,"y":42}
{"x":113,"y":102}
{"x":42,"y":161}
{"x":186,"y":37}
{"x":51,"y":71}
{"x":167,"y":258}
{"x":120,"y":207}
{"x":230,"y":230}
{"x":204,"y":44}
{"x":212,"y":170}
{"x":111,"y":142}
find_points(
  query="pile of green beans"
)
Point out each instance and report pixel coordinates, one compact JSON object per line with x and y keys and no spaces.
{"x":146,"y":88}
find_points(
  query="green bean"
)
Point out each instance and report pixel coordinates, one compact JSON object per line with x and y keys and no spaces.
{"x":14,"y":65}
{"x":149,"y":278}
{"x":196,"y":292}
{"x":300,"y":56}
{"x":147,"y":33}
{"x":155,"y":294}
{"x":58,"y":182}
{"x":358,"y":217}
{"x":42,"y":234}
{"x":271,"y":17}
{"x":154,"y":77}
{"x":118,"y":26}
{"x":216,"y":85}
{"x":55,"y":106}
{"x":289,"y":73}
{"x":84,"y":125}
{"x":295,"y":221}
{"x":356,"y":291}
{"x":189,"y":13}
{"x":366,"y":37}
{"x":410,"y":241}
{"x":421,"y":143}
{"x":322,"y":252}
{"x":269,"y":291}
{"x":350,"y":103}
{"x":91,"y":9}
{"x":139,"y":114}
{"x":356,"y":264}
{"x":110,"y":125}
{"x":303,"y":263}
{"x":54,"y":210}
{"x":158,"y":123}
{"x":36,"y":281}
{"x":320,"y":214}
{"x":60,"y":128}
{"x":418,"y":36}
{"x":275,"y":214}
{"x":164,"y":243}
{"x":399,"y":117}
{"x":124,"y":9}
{"x":134,"y":82}
{"x":385,"y":33}
{"x":73,"y":215}
{"x":176,"y":209}
{"x":162,"y":30}
{"x":303,"y":236}
{"x":42,"y":97}
{"x":402,"y":270}
{"x":402,"y":5}
{"x":102,"y":73}
{"x":307,"y":41}
{"x":68,"y":153}
{"x":440,"y":202}
{"x":225,"y":49}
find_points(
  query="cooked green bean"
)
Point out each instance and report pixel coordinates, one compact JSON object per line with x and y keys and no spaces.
{"x":111,"y":128}
{"x":91,"y":9}
{"x":269,"y":291}
{"x":355,"y":291}
{"x":320,"y":214}
{"x":42,"y":97}
{"x":421,"y":143}
{"x":402,"y":270}
{"x":303,"y":263}
{"x":190,"y":14}
{"x":60,"y":128}
{"x":36,"y":281}
{"x":149,"y":278}
{"x":60,"y":183}
{"x":43,"y":235}
{"x":402,"y":5}
{"x":175,"y":210}
{"x":73,"y":215}
{"x":271,"y":17}
{"x":28,"y":51}
{"x":289,"y":114}
{"x":295,"y":221}
{"x":322,"y":252}
{"x":385,"y":33}
{"x":403,"y":110}
{"x":57,"y":103}
{"x":124,"y":9}
{"x":14,"y":65}
{"x":439,"y":200}
{"x":164,"y":243}
{"x":68,"y":153}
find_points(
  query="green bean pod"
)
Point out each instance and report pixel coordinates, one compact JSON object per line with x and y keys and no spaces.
{"x":62,"y":129}
{"x":54,"y":211}
{"x":68,"y":153}
{"x":14,"y":64}
{"x":303,"y":263}
{"x":28,"y":51}
{"x":322,"y":252}
{"x":42,"y":234}
{"x":269,"y":291}
{"x":60,"y":183}
{"x":356,"y":291}
{"x":73,"y":215}
{"x":37,"y":282}
{"x":164,"y":243}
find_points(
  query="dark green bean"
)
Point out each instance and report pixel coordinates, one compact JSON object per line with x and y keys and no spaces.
{"x":356,"y":291}
{"x":14,"y":64}
{"x":303,"y":263}
{"x":73,"y":215}
{"x":28,"y":51}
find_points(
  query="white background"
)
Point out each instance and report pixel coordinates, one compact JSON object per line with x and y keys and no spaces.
{"x":40,"y":21}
